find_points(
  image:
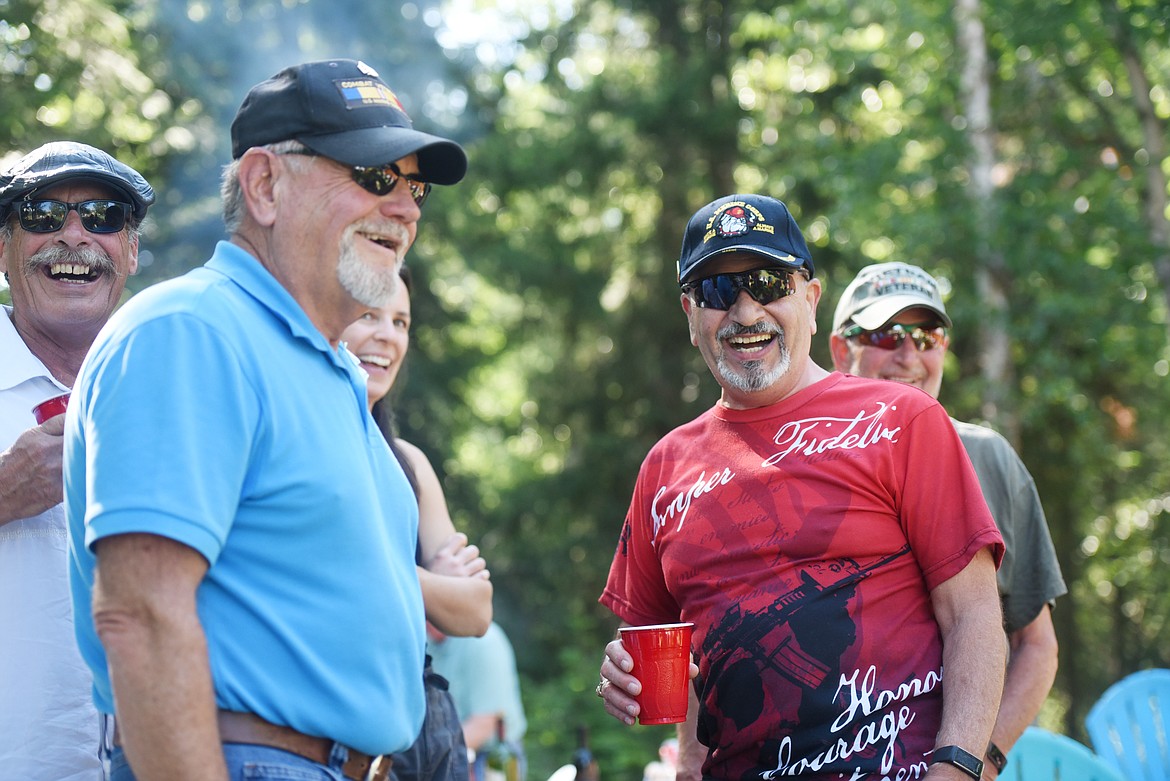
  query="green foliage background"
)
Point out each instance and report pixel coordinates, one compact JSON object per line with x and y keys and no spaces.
{"x":550,"y":352}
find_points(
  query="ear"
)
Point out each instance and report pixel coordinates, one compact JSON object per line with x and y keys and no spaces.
{"x":689,"y":307}
{"x":812,"y":296}
{"x":133,"y":252}
{"x":839,"y":348}
{"x":258,"y":171}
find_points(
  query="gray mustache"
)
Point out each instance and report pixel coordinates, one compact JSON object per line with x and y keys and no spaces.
{"x":93,"y":257}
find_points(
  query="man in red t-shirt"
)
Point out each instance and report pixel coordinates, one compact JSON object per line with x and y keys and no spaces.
{"x":826,"y":534}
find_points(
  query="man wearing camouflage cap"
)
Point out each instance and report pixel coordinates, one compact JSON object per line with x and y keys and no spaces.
{"x":69,"y":219}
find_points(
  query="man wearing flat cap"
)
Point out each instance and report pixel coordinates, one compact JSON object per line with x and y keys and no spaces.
{"x":69,"y":218}
{"x":242,"y":538}
{"x":825,"y":534}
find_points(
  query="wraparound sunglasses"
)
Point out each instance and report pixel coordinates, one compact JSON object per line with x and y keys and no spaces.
{"x":719,"y":291}
{"x":925,"y":336}
{"x":379,"y":180}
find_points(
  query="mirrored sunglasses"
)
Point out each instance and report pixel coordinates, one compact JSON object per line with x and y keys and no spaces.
{"x":925,"y":336}
{"x":765,"y":285}
{"x":97,"y":216}
{"x":381,"y":180}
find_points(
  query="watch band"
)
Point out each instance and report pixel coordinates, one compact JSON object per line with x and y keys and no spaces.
{"x":997,"y":757}
{"x":964,"y":760}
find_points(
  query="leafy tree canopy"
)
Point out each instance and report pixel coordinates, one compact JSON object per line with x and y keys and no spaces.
{"x":550,"y":349}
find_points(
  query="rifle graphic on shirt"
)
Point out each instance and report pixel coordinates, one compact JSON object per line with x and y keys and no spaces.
{"x":739,"y":634}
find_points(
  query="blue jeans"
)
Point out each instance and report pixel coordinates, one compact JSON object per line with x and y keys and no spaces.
{"x":252,"y":763}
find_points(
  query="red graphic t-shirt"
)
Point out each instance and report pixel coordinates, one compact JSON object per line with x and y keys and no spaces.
{"x":803,"y":539}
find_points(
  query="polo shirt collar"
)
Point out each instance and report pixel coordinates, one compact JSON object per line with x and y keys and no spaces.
{"x":19,"y":364}
{"x":238,"y":265}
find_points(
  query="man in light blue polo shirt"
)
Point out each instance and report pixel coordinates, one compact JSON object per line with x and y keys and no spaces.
{"x":241,"y":539}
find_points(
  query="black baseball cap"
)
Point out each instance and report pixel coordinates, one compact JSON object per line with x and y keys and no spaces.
{"x":58,"y":161}
{"x":755,"y":224}
{"x":341,"y":109}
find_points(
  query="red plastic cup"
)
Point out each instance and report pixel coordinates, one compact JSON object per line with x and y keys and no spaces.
{"x":661,"y":659}
{"x":51,"y":408}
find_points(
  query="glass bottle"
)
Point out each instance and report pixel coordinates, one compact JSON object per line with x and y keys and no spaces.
{"x":583,"y":758}
{"x":503,"y":762}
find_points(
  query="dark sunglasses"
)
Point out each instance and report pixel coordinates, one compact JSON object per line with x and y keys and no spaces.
{"x":97,"y":216}
{"x":765,"y":285}
{"x":925,"y":336}
{"x":380,"y":180}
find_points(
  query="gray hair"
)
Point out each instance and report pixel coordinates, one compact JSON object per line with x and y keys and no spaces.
{"x":232,"y":195}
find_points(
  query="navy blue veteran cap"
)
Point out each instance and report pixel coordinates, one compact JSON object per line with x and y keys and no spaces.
{"x":59,"y":161}
{"x":755,"y":224}
{"x":341,"y":109}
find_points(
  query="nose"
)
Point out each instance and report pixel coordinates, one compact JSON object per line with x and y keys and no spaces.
{"x":73,"y":232}
{"x":746,"y":310}
{"x":907,"y":351}
{"x":399,"y":203}
{"x":383,"y":330}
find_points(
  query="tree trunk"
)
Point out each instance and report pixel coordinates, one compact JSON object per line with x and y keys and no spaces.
{"x":1154,"y":132}
{"x":991,"y":276}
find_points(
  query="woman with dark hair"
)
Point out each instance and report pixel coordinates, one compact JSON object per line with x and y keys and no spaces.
{"x":456,"y":585}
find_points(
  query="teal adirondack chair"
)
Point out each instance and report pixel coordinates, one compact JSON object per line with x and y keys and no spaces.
{"x":1128,"y":725}
{"x":1040,"y":755}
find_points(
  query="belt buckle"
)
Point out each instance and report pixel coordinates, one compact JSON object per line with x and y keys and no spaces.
{"x":379,"y":769}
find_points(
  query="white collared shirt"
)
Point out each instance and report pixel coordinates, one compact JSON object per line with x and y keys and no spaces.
{"x":48,"y":724}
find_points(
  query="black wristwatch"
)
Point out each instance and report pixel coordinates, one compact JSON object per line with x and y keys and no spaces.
{"x":964,"y":760}
{"x":998,"y":760}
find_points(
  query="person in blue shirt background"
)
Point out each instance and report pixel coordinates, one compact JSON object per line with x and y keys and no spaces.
{"x":486,"y":688}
